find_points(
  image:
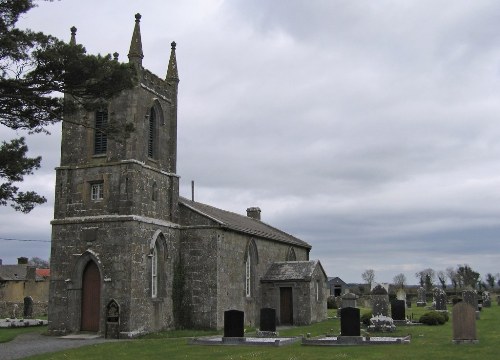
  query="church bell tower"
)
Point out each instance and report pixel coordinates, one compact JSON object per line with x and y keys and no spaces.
{"x":115,"y":230}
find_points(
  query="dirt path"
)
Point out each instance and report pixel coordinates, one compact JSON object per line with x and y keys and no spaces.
{"x":33,"y":344}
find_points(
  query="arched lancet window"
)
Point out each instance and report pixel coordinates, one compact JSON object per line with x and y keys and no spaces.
{"x":155,"y":121}
{"x":100,"y":132}
{"x":248,"y":276}
{"x":154,"y":272}
{"x":154,"y":195}
{"x":159,"y":268}
{"x":152,"y":134}
{"x":251,"y":260}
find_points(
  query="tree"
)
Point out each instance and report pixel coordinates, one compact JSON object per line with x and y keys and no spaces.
{"x":452,"y":275}
{"x":39,"y":262}
{"x":490,"y":280}
{"x":368,"y":276}
{"x":441,"y":275}
{"x":426,"y":277}
{"x":35,"y":70}
{"x":467,"y":276}
{"x":399,"y":281}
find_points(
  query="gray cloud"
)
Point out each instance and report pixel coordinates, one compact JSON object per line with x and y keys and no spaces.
{"x":367,"y":128}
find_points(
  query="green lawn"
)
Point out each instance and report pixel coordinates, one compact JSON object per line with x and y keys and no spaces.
{"x":428,"y":342}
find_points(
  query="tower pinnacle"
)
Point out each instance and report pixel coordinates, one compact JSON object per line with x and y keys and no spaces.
{"x":172,"y":73}
{"x":135,"y":54}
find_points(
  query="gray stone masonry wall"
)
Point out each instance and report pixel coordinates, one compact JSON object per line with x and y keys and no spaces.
{"x":128,"y":190}
{"x":231,"y":273}
{"x":318,"y":307}
{"x":6,"y":309}
{"x":132,"y":106}
{"x":120,"y":249}
{"x":199,"y":255}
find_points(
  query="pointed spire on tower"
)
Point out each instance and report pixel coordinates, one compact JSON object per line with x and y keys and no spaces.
{"x":135,"y":54}
{"x":172,"y":73}
{"x":72,"y":41}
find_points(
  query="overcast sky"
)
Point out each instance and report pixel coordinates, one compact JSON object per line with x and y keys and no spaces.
{"x":370,"y":129}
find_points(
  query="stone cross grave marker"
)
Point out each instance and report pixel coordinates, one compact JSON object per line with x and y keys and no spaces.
{"x":267,"y":319}
{"x":350,"y":321}
{"x":398,"y":310}
{"x":234,"y":323}
{"x":464,"y":323}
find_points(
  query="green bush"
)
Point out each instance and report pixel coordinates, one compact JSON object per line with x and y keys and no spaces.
{"x":434,"y":318}
{"x":331,"y":303}
{"x":365,"y":318}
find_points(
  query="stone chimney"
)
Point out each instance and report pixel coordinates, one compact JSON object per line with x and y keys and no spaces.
{"x":22,"y":260}
{"x":253,"y":212}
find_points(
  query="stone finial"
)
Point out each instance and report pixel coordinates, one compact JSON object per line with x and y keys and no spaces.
{"x":135,"y":54}
{"x":172,"y":73}
{"x":73,"y":36}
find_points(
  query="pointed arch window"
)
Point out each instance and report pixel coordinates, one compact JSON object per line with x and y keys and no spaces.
{"x":152,"y":134}
{"x":248,"y":276}
{"x":251,"y":260}
{"x":100,"y":134}
{"x":154,"y":272}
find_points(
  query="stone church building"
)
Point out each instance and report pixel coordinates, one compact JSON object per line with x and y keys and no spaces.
{"x":130,"y":256}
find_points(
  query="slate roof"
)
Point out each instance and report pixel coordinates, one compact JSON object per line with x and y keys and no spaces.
{"x":291,"y":271}
{"x":242,"y":223}
{"x":12,"y":272}
{"x":18,"y":273}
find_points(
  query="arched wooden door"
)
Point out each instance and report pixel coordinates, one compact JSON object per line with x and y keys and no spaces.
{"x":91,"y":298}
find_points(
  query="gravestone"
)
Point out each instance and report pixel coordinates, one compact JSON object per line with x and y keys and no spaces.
{"x":349,"y":300}
{"x":380,"y":301}
{"x":398,"y":310}
{"x":350,"y":321}
{"x":470,"y":297}
{"x":486,"y":299}
{"x":267,"y":319}
{"x":464,"y":323}
{"x":421,"y":300}
{"x":234,"y":323}
{"x":28,"y":307}
{"x":440,"y":299}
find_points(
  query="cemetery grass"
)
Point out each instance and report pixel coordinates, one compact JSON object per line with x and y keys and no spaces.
{"x":426,"y":342}
{"x":8,"y":334}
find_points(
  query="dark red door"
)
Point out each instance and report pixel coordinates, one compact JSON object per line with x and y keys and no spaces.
{"x":91,"y":296}
{"x":286,"y":306}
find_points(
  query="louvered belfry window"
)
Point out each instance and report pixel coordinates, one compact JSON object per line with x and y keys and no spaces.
{"x":152,"y":133}
{"x":100,"y":134}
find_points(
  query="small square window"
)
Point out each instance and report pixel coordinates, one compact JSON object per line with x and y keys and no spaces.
{"x":97,"y":191}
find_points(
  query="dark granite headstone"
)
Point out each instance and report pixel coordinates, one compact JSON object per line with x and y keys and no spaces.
{"x":267,"y":319}
{"x":398,"y":310}
{"x":349,"y":322}
{"x":234,"y":323}
{"x":440,"y":299}
{"x":28,"y":307}
{"x":464,"y":322}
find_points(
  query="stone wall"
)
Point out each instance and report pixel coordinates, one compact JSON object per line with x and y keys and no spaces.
{"x":7,"y":308}
{"x":121,"y":248}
